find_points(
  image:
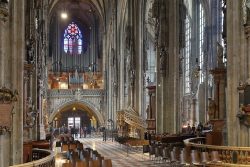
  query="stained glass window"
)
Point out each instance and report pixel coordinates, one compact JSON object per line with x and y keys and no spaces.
{"x":73,"y":39}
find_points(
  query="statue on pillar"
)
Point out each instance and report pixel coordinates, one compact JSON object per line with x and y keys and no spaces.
{"x":163,"y":60}
{"x":211,"y":109}
{"x":148,"y":112}
{"x":30,"y":113}
{"x":220,"y":55}
{"x":30,"y":52}
{"x":246,"y":12}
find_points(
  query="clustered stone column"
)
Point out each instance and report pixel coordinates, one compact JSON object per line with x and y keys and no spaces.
{"x":17,"y":55}
{"x":4,"y":13}
{"x":4,"y":135}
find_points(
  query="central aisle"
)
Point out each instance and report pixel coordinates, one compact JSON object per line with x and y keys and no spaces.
{"x":118,"y":153}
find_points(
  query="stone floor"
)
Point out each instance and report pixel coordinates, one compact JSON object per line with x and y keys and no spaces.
{"x":116,"y":152}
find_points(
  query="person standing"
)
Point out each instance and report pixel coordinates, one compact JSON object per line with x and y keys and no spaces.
{"x":104,"y":134}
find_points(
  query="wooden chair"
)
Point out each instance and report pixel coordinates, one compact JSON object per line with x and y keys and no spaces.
{"x":75,"y":156}
{"x":107,"y":163}
{"x":72,"y":147}
{"x":94,"y":163}
{"x":100,"y":159}
{"x":68,"y":164}
{"x":64,"y":148}
{"x":79,"y":146}
{"x":82,"y":164}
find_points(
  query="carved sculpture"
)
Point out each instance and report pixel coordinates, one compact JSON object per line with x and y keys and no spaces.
{"x":163,"y":60}
{"x":7,"y":95}
{"x":4,"y":11}
{"x":246,"y":12}
{"x":30,"y":51}
{"x":220,"y":55}
{"x":211,"y":109}
{"x":31,"y":113}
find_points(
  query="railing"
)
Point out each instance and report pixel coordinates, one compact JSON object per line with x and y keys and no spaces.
{"x":132,"y":118}
{"x":73,"y":92}
{"x":41,"y":158}
{"x":229,"y":155}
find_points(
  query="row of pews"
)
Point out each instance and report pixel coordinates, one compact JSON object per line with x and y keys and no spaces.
{"x":78,"y":156}
{"x":171,"y":150}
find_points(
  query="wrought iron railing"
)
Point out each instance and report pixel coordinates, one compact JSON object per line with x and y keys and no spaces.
{"x":41,"y":158}
{"x":132,"y":118}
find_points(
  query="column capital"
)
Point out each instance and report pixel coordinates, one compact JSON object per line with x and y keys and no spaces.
{"x":4,"y":11}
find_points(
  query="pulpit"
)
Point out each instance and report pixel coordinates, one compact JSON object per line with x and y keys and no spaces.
{"x":151,"y":109}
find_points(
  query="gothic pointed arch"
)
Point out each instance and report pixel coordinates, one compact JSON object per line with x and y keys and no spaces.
{"x":83,"y":104}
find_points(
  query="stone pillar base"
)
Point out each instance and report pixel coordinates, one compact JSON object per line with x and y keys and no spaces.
{"x":5,"y":149}
{"x":42,"y":132}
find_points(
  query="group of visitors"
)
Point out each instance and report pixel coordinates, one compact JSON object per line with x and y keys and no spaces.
{"x":196,"y":130}
{"x":73,"y":131}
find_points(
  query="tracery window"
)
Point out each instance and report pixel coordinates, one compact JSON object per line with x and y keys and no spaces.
{"x":201,"y":41}
{"x":73,"y":39}
{"x":187,"y":54}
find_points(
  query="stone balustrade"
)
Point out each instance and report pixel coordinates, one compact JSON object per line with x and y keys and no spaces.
{"x":229,"y":155}
{"x":43,"y":158}
{"x":74,"y":92}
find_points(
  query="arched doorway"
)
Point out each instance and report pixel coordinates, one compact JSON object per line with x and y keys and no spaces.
{"x":76,"y":119}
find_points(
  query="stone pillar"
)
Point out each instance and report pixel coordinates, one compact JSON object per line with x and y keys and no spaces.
{"x":3,"y":26}
{"x":193,"y":115}
{"x":4,"y":149}
{"x":4,"y":137}
{"x":17,"y":53}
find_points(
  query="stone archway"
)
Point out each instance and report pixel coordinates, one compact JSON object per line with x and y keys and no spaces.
{"x":94,"y":110}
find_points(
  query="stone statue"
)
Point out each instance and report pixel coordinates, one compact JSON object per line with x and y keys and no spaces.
{"x":148,"y":112}
{"x":30,"y":115}
{"x":30,"y":52}
{"x":211,"y":109}
{"x":246,"y":12}
{"x":220,"y":55}
{"x":163,"y":60}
